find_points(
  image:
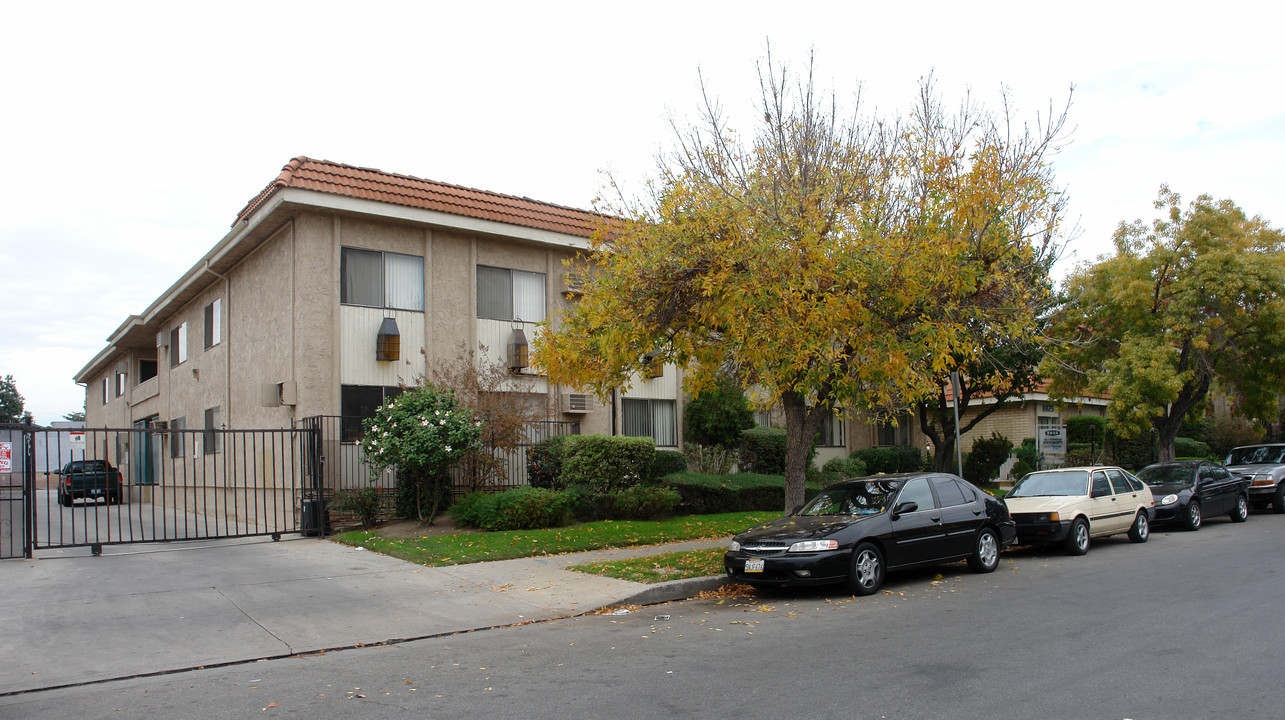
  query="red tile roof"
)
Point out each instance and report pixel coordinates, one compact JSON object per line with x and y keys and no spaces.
{"x":368,"y":184}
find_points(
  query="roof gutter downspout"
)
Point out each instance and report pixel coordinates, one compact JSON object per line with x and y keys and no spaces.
{"x":227,"y":346}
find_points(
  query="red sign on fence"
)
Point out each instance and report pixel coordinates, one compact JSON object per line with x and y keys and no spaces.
{"x":6,"y":457}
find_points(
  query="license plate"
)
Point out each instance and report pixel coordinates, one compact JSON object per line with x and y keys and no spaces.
{"x":753,"y":566}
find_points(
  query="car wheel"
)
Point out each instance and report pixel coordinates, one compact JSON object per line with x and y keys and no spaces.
{"x":1192,"y":519}
{"x":1240,"y":513}
{"x":867,"y":570}
{"x":985,"y":557}
{"x":1278,"y":500}
{"x":1077,"y":541}
{"x":1141,"y":528}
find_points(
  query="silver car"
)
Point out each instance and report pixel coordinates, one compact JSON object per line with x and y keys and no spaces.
{"x":1264,"y":465}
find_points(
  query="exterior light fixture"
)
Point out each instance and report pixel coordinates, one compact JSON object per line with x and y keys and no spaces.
{"x":388,"y":344}
{"x":518,"y":350}
{"x":653,"y":367}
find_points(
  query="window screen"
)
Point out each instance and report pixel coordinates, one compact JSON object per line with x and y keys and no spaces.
{"x":404,"y":281}
{"x":656,"y":419}
{"x":510,"y":294}
{"x":361,"y":278}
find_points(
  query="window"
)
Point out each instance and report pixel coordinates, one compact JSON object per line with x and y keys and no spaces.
{"x":949,"y":492}
{"x":831,"y":434}
{"x":210,"y":440}
{"x":917,"y":491}
{"x":383,"y":280}
{"x":213,"y":323}
{"x":358,"y":402}
{"x":656,"y":419}
{"x":510,"y":294}
{"x":107,"y":390}
{"x":178,"y":345}
{"x":1101,"y":486}
{"x":146,"y":370}
{"x":894,"y":435}
{"x":177,"y":444}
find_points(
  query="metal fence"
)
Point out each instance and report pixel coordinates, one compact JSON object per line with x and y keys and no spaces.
{"x":167,"y":484}
{"x":343,"y":465}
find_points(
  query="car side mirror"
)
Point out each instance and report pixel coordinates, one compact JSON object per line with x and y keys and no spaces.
{"x":902,"y":508}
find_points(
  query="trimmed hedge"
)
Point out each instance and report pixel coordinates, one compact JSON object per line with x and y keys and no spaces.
{"x":763,"y":451}
{"x":740,"y":492}
{"x":544,"y":462}
{"x":1088,"y":429}
{"x":605,"y":463}
{"x":521,"y":508}
{"x":643,"y":502}
{"x":836,"y":469}
{"x":887,"y":460}
{"x":668,"y":462}
{"x":1188,"y":448}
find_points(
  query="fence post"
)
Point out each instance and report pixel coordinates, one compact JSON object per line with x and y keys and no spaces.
{"x":28,"y":487}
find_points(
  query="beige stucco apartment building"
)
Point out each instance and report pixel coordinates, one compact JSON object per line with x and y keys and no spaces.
{"x":289,"y":315}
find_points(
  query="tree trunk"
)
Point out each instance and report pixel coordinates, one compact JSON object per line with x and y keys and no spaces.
{"x":801,"y":427}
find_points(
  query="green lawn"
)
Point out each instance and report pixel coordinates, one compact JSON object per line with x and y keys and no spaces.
{"x":471,"y":547}
{"x":659,"y":568}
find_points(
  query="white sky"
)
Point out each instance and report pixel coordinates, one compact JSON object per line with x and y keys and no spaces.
{"x":132,"y":133}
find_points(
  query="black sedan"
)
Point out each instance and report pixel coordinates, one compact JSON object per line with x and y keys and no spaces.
{"x":1188,"y":491}
{"x":856,"y":530}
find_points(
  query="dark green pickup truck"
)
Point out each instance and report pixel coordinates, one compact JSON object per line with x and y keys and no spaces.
{"x":90,"y":479}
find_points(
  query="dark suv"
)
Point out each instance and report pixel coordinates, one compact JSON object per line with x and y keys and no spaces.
{"x":1264,"y":465}
{"x":90,"y":480}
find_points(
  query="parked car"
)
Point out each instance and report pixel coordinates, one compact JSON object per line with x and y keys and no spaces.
{"x":1188,"y":491}
{"x":1072,"y":505}
{"x":1264,"y":465}
{"x":855,"y":530}
{"x":90,"y":479}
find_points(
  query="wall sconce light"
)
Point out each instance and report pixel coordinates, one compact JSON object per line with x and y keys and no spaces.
{"x":388,"y":344}
{"x":518,"y":351}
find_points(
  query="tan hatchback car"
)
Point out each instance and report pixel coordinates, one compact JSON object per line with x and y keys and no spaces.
{"x":1071,"y":505}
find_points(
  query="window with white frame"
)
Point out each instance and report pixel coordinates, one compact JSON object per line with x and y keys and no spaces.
{"x":512,"y":295}
{"x":371,"y":278}
{"x":107,"y":390}
{"x":213,"y":323}
{"x":656,"y":419}
{"x":178,"y":345}
{"x":121,"y":382}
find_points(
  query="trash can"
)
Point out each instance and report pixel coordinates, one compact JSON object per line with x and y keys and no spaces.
{"x":313,"y":522}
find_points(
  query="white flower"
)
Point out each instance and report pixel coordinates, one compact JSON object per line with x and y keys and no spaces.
{"x":424,"y":422}
{"x":441,"y":422}
{"x":437,"y":412}
{"x":477,"y":424}
{"x":448,"y":448}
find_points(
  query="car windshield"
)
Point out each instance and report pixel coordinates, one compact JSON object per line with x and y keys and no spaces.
{"x":1038,"y":484}
{"x":868,"y":498}
{"x":1166,"y":475}
{"x":1257,"y":455}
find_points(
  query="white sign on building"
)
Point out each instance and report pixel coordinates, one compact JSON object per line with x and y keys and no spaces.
{"x":1052,"y":443}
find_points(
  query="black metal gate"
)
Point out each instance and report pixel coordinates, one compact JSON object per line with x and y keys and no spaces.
{"x":100,"y":486}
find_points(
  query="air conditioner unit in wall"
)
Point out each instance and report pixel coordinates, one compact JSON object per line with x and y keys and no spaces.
{"x":577,"y":403}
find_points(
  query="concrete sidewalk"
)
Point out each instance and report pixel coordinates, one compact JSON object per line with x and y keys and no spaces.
{"x":67,"y":617}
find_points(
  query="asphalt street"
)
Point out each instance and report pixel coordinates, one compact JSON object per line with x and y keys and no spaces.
{"x":1179,"y":627}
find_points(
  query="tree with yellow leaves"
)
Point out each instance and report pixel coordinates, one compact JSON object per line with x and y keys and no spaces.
{"x":1195,"y":298}
{"x":833,"y":260}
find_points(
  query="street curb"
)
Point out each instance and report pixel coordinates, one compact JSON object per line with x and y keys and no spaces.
{"x":673,"y":590}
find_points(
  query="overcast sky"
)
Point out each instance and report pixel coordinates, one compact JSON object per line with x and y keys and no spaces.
{"x":132,"y":133}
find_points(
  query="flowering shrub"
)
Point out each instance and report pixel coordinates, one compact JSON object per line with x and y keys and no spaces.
{"x":422,"y":433}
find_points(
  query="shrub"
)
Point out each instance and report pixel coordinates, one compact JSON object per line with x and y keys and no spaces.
{"x":1188,"y":448}
{"x":704,"y":494}
{"x":521,"y":508}
{"x":668,"y":462}
{"x":363,"y":503}
{"x":1029,"y":453}
{"x":1082,"y":454}
{"x":544,"y":462}
{"x":643,"y":502}
{"x":763,"y":451}
{"x":1132,"y":453}
{"x":709,"y":459}
{"x":718,"y":416}
{"x":423,"y":497}
{"x":605,"y":463}
{"x":1020,"y":469}
{"x":1231,"y":432}
{"x":1087,"y":429}
{"x":883,"y":460}
{"x":842,"y":468}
